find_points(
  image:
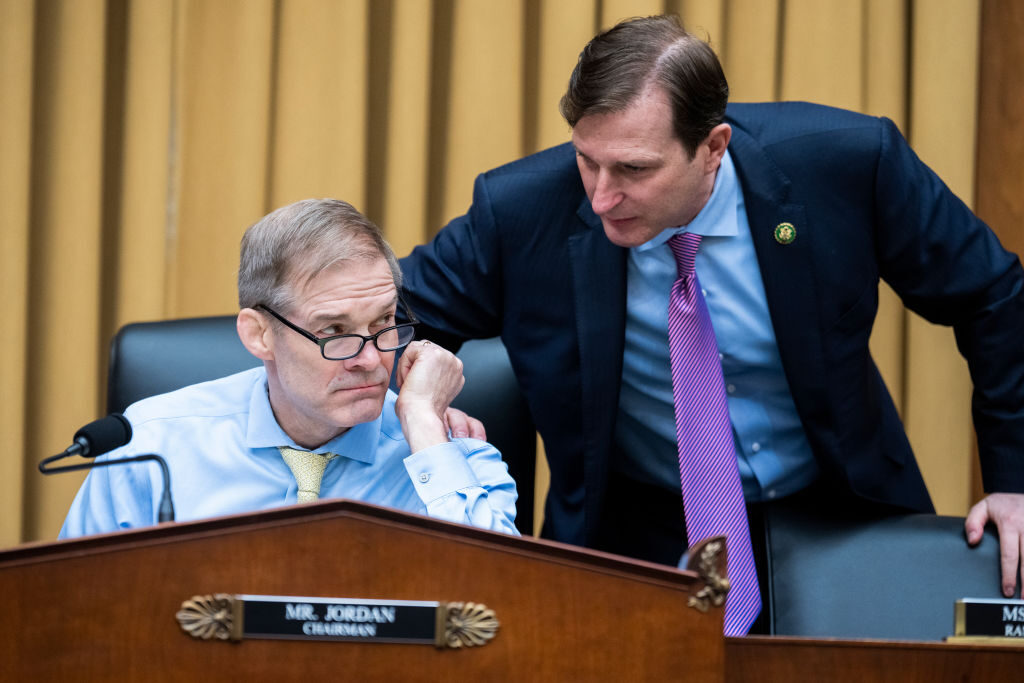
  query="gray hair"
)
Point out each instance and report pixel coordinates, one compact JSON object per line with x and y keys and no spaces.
{"x":297,"y":242}
{"x":620,"y":64}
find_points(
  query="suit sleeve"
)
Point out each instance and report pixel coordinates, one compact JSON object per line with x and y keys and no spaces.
{"x":950,"y":268}
{"x":453,"y":284}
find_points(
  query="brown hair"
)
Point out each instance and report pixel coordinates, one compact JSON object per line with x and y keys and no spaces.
{"x":618,"y":65}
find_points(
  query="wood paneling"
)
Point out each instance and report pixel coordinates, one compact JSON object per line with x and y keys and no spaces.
{"x":1000,"y":155}
{"x":1000,"y":175}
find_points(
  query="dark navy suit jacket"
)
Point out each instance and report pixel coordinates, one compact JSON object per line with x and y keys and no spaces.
{"x":530,"y":262}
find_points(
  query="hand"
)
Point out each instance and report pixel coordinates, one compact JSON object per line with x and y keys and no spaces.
{"x":1006,"y":511}
{"x":461,"y":425}
{"x":428,"y":377}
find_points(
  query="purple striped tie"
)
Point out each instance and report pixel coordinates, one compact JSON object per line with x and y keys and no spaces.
{"x":712,"y":494}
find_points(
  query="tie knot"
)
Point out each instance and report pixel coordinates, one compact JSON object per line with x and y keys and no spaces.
{"x":308,"y":469}
{"x":684,"y":248}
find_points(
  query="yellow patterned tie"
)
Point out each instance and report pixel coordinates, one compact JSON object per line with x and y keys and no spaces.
{"x":308,"y":469}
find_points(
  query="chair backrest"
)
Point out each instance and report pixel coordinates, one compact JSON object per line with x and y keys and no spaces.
{"x":156,"y":357}
{"x":891,"y":577}
{"x":152,"y":358}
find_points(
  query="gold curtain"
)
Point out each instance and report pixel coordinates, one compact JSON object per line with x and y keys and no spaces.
{"x":139,"y":138}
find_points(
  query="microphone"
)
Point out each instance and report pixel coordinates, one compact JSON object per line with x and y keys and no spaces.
{"x":101,"y":436}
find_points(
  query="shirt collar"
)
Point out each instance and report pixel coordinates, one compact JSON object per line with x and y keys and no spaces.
{"x":718,"y":218}
{"x":263,"y":431}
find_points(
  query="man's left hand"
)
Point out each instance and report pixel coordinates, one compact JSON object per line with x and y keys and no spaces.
{"x":1006,"y":511}
{"x":462,"y":425}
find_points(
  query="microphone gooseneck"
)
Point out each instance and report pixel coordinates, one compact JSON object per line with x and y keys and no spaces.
{"x":99,"y":437}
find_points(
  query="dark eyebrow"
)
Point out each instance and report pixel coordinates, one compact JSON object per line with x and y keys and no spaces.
{"x":641,"y":161}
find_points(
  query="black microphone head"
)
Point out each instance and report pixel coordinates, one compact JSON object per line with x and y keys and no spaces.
{"x":105,"y":434}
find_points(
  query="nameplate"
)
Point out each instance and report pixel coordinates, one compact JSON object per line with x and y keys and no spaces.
{"x":982,"y":618}
{"x":223,"y":616}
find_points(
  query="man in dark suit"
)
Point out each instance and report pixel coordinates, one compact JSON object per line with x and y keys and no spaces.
{"x":801,"y":209}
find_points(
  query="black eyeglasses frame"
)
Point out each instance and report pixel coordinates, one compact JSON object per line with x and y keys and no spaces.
{"x":322,"y":342}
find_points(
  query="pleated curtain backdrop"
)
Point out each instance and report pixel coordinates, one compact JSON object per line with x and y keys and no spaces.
{"x":139,"y":138}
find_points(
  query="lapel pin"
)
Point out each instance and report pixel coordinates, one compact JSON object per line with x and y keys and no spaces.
{"x":785,"y":233}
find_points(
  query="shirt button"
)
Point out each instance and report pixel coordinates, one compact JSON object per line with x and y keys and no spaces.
{"x":704,"y":292}
{"x":721,"y":356}
{"x":731,"y":388}
{"x":771,"y":493}
{"x":424,"y":478}
{"x":755,"y":447}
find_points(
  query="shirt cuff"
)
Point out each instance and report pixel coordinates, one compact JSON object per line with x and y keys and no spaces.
{"x":440,"y":470}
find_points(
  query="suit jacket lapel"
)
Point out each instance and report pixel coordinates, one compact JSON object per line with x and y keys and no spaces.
{"x":788,"y":274}
{"x":599,"y":293}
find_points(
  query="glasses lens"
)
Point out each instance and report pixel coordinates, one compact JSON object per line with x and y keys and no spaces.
{"x":395,"y":337}
{"x":389,"y":339}
{"x":342,"y":348}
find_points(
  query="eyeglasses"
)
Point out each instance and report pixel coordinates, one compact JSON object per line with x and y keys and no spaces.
{"x":345,"y":346}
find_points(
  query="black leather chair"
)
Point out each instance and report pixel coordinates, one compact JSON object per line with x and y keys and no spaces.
{"x":894,"y":577}
{"x":155,"y":357}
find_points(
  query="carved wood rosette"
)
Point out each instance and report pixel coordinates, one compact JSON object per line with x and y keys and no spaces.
{"x":211,"y":617}
{"x":465,"y":624}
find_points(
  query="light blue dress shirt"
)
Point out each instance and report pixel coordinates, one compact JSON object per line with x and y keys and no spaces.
{"x":772,"y":452}
{"x":220,"y":440}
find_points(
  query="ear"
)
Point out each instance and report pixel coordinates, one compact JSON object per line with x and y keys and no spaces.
{"x":255,"y":333}
{"x":717,"y":142}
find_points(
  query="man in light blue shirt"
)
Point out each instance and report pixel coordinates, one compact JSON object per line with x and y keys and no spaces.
{"x":318,"y":290}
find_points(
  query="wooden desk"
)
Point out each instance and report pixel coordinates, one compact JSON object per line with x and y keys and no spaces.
{"x":103,"y":608}
{"x":763,"y":659}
